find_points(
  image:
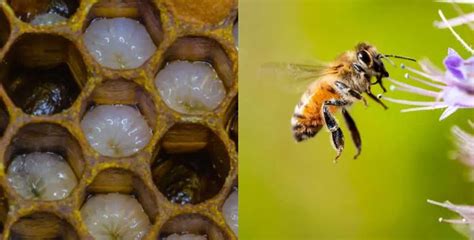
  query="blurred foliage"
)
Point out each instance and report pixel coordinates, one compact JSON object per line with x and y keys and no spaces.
{"x":295,"y":191}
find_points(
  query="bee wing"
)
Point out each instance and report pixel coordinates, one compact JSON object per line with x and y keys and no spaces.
{"x":294,"y":77}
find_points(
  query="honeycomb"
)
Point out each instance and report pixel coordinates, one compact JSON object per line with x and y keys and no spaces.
{"x":181,"y":30}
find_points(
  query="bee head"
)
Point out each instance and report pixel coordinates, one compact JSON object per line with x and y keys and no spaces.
{"x":369,"y":59}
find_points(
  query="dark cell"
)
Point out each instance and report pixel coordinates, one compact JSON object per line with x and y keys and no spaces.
{"x":187,"y":178}
{"x":181,"y":185}
{"x":43,"y":91}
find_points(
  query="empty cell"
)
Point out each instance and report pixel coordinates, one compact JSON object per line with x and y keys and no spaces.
{"x":115,"y":216}
{"x":116,"y":130}
{"x":119,"y":43}
{"x":41,"y":176}
{"x":190,"y":87}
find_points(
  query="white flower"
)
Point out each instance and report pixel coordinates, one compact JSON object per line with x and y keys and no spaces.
{"x":465,"y":225}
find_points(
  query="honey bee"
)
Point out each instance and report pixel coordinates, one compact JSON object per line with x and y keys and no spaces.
{"x":339,"y":85}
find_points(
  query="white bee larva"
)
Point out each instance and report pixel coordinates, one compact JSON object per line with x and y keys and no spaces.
{"x":186,"y":236}
{"x":48,"y":19}
{"x":119,"y":43}
{"x":116,"y":130}
{"x":190,"y":87}
{"x":231,"y":211}
{"x":115,"y":216}
{"x":42,"y":176}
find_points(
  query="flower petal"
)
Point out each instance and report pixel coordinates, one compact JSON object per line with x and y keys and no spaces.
{"x":465,"y":211}
{"x":448,"y":112}
{"x":453,"y":62}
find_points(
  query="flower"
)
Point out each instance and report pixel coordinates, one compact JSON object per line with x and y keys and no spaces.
{"x":450,"y":90}
{"x":456,"y":35}
{"x":465,"y":225}
{"x":463,"y":18}
{"x":465,"y":145}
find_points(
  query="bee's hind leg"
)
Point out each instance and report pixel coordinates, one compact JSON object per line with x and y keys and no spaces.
{"x":354,"y":131}
{"x":331,"y":123}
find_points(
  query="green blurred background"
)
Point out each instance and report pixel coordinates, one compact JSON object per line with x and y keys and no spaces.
{"x":294,"y":191}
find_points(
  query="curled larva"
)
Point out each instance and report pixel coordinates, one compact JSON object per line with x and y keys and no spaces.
{"x":42,"y":176}
{"x":190,"y":87}
{"x":231,"y":211}
{"x":116,"y":130}
{"x":186,"y":236}
{"x":48,"y":19}
{"x":115,"y":216}
{"x":119,"y":43}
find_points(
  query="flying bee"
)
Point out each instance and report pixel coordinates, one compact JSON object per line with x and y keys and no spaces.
{"x":337,"y":86}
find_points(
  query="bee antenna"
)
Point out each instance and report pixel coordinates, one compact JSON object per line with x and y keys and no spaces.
{"x":401,"y":57}
{"x":388,"y":60}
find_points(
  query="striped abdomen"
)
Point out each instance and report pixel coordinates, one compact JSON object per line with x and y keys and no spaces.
{"x":308,"y":119}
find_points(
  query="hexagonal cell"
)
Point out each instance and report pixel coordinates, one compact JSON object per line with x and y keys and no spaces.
{"x":118,"y":188}
{"x":195,"y":75}
{"x":191,"y":165}
{"x":42,"y":225}
{"x":134,"y":117}
{"x":4,"y":29}
{"x":204,"y":11}
{"x":44,"y":12}
{"x":35,"y":157}
{"x":199,"y":226}
{"x":43,"y":74}
{"x":123,"y":34}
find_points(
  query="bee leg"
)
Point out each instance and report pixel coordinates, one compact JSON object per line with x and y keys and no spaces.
{"x":331,"y":123}
{"x":376,"y":99}
{"x":354,"y":131}
{"x":379,"y":81}
{"x":343,"y":87}
{"x":358,"y":68}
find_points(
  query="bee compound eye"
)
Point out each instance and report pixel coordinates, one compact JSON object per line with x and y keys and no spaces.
{"x":364,"y":57}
